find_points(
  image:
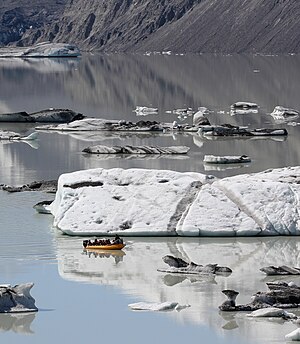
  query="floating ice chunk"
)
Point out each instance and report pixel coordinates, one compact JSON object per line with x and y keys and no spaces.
{"x":144,"y":111}
{"x":272,"y":312}
{"x":244,"y":105}
{"x":294,"y":335}
{"x":16,"y":299}
{"x":282,"y":114}
{"x":213,"y":159}
{"x":100,"y":149}
{"x":158,"y":306}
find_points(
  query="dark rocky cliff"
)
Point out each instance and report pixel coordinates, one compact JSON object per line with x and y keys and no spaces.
{"x":229,"y":26}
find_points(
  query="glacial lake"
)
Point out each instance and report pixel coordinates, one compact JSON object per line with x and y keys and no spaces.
{"x":85,"y":297}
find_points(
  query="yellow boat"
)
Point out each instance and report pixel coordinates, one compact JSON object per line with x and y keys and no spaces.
{"x":105,"y":247}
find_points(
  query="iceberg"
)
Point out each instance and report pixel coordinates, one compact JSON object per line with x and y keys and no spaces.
{"x":44,"y":49}
{"x":227,"y":159}
{"x":16,"y":299}
{"x":272,"y":312}
{"x":145,"y":111}
{"x":93,"y":124}
{"x":155,"y":306}
{"x":141,"y":202}
{"x":49,"y":116}
{"x":293,"y":336}
{"x":100,"y":149}
{"x":282,"y":114}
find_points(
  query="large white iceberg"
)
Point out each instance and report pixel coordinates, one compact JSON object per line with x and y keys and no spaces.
{"x":157,"y":202}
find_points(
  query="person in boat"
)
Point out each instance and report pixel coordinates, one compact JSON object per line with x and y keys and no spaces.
{"x":117,"y":240}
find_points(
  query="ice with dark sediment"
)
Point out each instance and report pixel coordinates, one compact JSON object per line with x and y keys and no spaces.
{"x":169,"y":203}
{"x":17,"y":299}
{"x":228,"y":130}
{"x":50,"y":115}
{"x":100,"y":124}
{"x":280,"y":270}
{"x":282,"y":114}
{"x":226,"y":159}
{"x":280,"y":295}
{"x":243,"y":108}
{"x":145,"y":111}
{"x":100,"y":149}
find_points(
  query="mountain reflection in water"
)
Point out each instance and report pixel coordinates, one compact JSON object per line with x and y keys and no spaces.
{"x":111,"y":86}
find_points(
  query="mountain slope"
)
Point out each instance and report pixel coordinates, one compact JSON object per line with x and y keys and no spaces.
{"x":228,"y":26}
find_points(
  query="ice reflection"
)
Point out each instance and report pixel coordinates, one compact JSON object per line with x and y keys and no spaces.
{"x":120,"y":135}
{"x":18,"y":323}
{"x":136,"y":156}
{"x":138,"y":277}
{"x":40,"y":65}
{"x":32,"y":143}
{"x":223,"y":167}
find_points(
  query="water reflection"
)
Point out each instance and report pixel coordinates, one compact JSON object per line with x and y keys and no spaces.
{"x":143,"y":157}
{"x":17,"y":322}
{"x":112,"y":86}
{"x":223,"y":167}
{"x":172,"y":279}
{"x":116,"y":255}
{"x":138,"y":277}
{"x":40,"y":65}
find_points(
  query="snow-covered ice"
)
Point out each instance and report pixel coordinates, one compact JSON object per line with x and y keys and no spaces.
{"x":161,"y":202}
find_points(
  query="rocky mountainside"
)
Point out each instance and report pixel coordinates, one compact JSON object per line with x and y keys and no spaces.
{"x":228,"y":26}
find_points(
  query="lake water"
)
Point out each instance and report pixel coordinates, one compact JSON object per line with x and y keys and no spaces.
{"x":85,"y":297}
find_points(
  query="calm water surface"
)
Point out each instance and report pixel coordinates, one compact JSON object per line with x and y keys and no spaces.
{"x":86,"y":297}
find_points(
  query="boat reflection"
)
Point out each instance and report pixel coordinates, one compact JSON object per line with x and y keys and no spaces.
{"x":95,"y":253}
{"x":137,"y":275}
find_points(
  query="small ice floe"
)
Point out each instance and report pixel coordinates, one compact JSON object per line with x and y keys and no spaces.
{"x":50,"y":115}
{"x":280,"y":295}
{"x":244,"y":105}
{"x":282,"y":114}
{"x":213,"y":159}
{"x":272,"y":312}
{"x":43,"y":207}
{"x":156,"y":306}
{"x":280,"y":270}
{"x":99,"y":149}
{"x":293,"y":336}
{"x":200,"y":118}
{"x":243,"y":108}
{"x":184,"y":111}
{"x":227,"y":130}
{"x":145,"y":111}
{"x":16,"y":299}
{"x":179,"y":266}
